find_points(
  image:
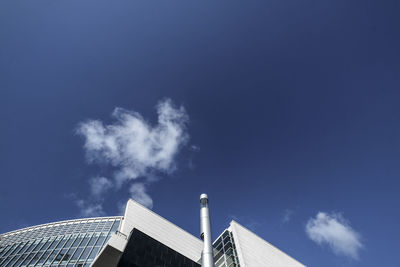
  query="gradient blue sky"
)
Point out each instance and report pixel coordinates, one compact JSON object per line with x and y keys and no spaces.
{"x":294,"y":106}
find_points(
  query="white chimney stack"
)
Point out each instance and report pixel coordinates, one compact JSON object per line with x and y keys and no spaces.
{"x":207,"y":255}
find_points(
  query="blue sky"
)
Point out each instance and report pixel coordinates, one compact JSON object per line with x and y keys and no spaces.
{"x":285,"y":112}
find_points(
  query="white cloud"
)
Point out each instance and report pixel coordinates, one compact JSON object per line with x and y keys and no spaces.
{"x":134,"y":148}
{"x":138,"y":193}
{"x":99,"y":185}
{"x":334,"y":230}
{"x":132,"y":145}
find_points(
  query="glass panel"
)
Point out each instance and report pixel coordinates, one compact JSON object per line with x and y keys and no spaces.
{"x":229,"y":260}
{"x":93,"y":253}
{"x":35,"y":258}
{"x":76,"y":254}
{"x":53,"y":244}
{"x":218,"y":255}
{"x":227,"y":246}
{"x":25,"y":248}
{"x":114,"y":227}
{"x":85,"y":241}
{"x":75,"y":240}
{"x":16,"y":249}
{"x":47,"y":243}
{"x":62,"y":242}
{"x":107,"y":238}
{"x":8,"y":250}
{"x":93,"y":226}
{"x":65,"y":256}
{"x":229,"y":252}
{"x":9,"y":259}
{"x":28,"y":259}
{"x":219,"y":261}
{"x":225,"y":234}
{"x":52,"y":256}
{"x":4,"y":250}
{"x":60,"y":255}
{"x":20,"y":259}
{"x":85,"y":253}
{"x":100,"y":240}
{"x":43,"y":258}
{"x":93,"y":240}
{"x":70,"y":253}
{"x":31,"y":247}
{"x":39,"y":245}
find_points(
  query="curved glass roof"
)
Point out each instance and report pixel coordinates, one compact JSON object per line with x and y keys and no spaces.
{"x":65,"y":243}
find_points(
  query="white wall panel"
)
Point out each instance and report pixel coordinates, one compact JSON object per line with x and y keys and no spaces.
{"x":254,"y":251}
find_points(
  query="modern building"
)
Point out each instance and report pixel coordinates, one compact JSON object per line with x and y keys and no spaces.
{"x":139,"y":238}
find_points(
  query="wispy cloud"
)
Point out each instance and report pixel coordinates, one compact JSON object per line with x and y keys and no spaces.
{"x":287,"y":215}
{"x":139,"y":193}
{"x":99,"y":185}
{"x":134,"y":149}
{"x":335,"y":231}
{"x":90,"y":209}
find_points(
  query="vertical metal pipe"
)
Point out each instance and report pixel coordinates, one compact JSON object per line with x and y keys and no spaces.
{"x":207,"y":255}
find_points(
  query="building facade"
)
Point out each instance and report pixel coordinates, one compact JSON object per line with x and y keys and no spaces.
{"x":66,"y":243}
{"x":238,"y":246}
{"x":139,"y":238}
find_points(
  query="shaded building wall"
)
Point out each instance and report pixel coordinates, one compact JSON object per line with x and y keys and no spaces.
{"x":144,"y":251}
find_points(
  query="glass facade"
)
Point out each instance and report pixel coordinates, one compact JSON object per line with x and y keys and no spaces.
{"x":225,"y":254}
{"x":65,"y":244}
